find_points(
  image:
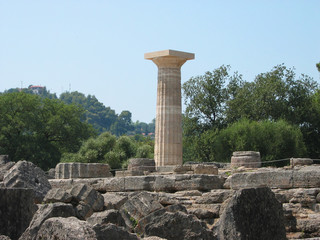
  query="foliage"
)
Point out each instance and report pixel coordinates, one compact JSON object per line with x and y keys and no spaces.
{"x":318,"y":66}
{"x":39,"y":129}
{"x":100,"y":117}
{"x":218,"y":99}
{"x":107,"y":148}
{"x":274,"y":140}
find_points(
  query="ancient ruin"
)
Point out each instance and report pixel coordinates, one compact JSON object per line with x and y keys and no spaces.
{"x":168,"y":135}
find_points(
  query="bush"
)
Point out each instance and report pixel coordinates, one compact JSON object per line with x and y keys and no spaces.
{"x":274,"y":140}
{"x":144,"y":151}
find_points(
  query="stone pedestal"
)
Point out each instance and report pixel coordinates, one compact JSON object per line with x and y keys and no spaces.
{"x":248,"y":159}
{"x":168,"y":135}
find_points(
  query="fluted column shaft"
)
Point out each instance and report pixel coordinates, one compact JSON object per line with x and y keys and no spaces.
{"x":168,"y":132}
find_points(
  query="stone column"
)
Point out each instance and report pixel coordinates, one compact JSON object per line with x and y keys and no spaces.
{"x":168,"y":135}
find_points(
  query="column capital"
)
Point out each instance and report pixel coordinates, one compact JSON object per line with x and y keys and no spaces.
{"x":169,"y":58}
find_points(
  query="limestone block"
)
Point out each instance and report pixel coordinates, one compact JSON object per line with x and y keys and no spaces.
{"x":4,"y":159}
{"x":182,"y":169}
{"x":45,"y":212}
{"x":16,"y":210}
{"x":205,"y":169}
{"x":112,"y":231}
{"x":272,"y":179}
{"x":141,"y":165}
{"x":4,"y":168}
{"x":82,"y":170}
{"x":105,"y":217}
{"x":307,"y":177}
{"x":114,"y":200}
{"x":27,"y":175}
{"x":300,"y":161}
{"x":88,"y":198}
{"x":57,"y":195}
{"x":248,"y":159}
{"x":252,"y":213}
{"x":215,"y":196}
{"x":66,"y":228}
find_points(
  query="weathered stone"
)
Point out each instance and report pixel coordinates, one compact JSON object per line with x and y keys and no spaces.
{"x":113,"y":200}
{"x":105,"y":217}
{"x":175,"y":226}
{"x":141,"y":164}
{"x":89,"y":200}
{"x":252,"y":214}
{"x":213,"y":208}
{"x":57,"y":195}
{"x":306,"y":197}
{"x":248,"y":159}
{"x":215,"y":196}
{"x":27,"y":175}
{"x":277,"y":179}
{"x":16,"y":210}
{"x":202,"y":214}
{"x":300,"y":161}
{"x":309,"y":226}
{"x":181,"y":169}
{"x":51,"y":173}
{"x":82,"y":170}
{"x":45,"y":212}
{"x":307,"y":177}
{"x":4,"y":159}
{"x":205,"y":169}
{"x":71,"y":228}
{"x":3,"y":237}
{"x":4,"y":168}
{"x":173,"y":183}
{"x":189,"y":193}
{"x":153,"y":238}
{"x":111,"y":231}
{"x":139,"y":206}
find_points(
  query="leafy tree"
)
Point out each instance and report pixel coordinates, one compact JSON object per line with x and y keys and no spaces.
{"x":274,"y":140}
{"x":273,"y":95}
{"x":39,"y":129}
{"x":102,"y":118}
{"x":217,"y":100}
{"x":205,"y":97}
{"x":318,"y":66}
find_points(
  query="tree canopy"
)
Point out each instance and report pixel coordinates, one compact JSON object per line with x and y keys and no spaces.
{"x":217,"y":100}
{"x":39,"y":129}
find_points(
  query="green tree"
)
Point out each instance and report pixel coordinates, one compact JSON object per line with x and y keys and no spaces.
{"x":318,"y":66}
{"x":274,"y":140}
{"x":39,"y":129}
{"x":205,"y":97}
{"x":100,"y":117}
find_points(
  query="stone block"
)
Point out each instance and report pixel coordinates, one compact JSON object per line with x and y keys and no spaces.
{"x":45,"y":212}
{"x":307,"y":177}
{"x":204,"y":169}
{"x":141,"y":165}
{"x":82,"y":170}
{"x":27,"y":175}
{"x":248,"y":159}
{"x":16,"y":210}
{"x":272,"y":179}
{"x":300,"y":161}
{"x":252,"y":213}
{"x":4,"y":159}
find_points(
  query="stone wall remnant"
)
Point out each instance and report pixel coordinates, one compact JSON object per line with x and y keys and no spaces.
{"x":16,"y":210}
{"x":82,"y":170}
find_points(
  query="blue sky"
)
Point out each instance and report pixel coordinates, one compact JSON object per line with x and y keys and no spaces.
{"x":96,"y":47}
